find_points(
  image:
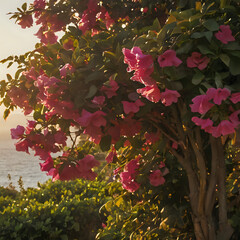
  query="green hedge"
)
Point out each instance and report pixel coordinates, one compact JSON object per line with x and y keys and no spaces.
{"x":60,"y":210}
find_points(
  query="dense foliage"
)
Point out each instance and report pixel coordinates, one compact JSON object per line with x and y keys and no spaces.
{"x":60,"y":210}
{"x":155,"y":83}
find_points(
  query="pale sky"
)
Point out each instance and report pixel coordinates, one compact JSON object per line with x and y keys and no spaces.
{"x":13,"y":41}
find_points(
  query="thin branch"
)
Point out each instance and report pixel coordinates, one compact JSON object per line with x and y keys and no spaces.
{"x":210,"y":199}
{"x":225,"y":230}
{"x":203,"y":173}
{"x":192,"y":180}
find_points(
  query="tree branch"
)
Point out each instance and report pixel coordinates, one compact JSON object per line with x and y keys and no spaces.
{"x":225,"y":230}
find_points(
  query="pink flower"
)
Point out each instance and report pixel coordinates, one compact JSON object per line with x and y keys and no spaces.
{"x":218,"y":95}
{"x":98,"y":100}
{"x":168,"y":59}
{"x":224,"y":34}
{"x":92,"y":119}
{"x":66,"y":69}
{"x":60,"y":138}
{"x":128,"y":176}
{"x":111,"y":90}
{"x":83,"y":169}
{"x":111,"y":155}
{"x":161,"y":165}
{"x":132,"y":166}
{"x":143,"y":77}
{"x":22,"y":146}
{"x":175,"y":145}
{"x":117,"y":170}
{"x":88,"y":20}
{"x":152,"y":93}
{"x":104,"y":225}
{"x":26,"y":21}
{"x":133,"y":107}
{"x":114,"y":132}
{"x":17,"y":132}
{"x":234,"y":118}
{"x":136,"y":60}
{"x":68,"y":44}
{"x":196,"y":60}
{"x":108,"y":20}
{"x":86,"y":165}
{"x":225,"y":127}
{"x":30,"y":75}
{"x":46,"y":37}
{"x":49,"y":37}
{"x":92,"y":123}
{"x":30,"y":126}
{"x":128,"y":182}
{"x":39,"y":4}
{"x":235,"y":97}
{"x":169,"y":96}
{"x":206,"y":124}
{"x":151,"y":138}
{"x":47,"y":165}
{"x":129,"y":127}
{"x":201,"y":104}
{"x":156,"y":178}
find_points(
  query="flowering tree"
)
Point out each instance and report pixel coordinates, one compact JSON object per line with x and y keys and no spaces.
{"x":151,"y":82}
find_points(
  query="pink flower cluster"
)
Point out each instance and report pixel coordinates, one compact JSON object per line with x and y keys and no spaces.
{"x":156,"y":177}
{"x":44,"y":144}
{"x":26,"y":21}
{"x":53,"y":100}
{"x":132,"y":107}
{"x":50,"y":23}
{"x":90,"y":16}
{"x":41,"y":143}
{"x":20,"y":98}
{"x":82,"y":169}
{"x":129,"y":174}
{"x":143,"y":66}
{"x":203,"y":103}
{"x":110,"y":90}
{"x":93,"y":123}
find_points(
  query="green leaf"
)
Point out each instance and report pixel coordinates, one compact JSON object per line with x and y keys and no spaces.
{"x":156,"y":25}
{"x":185,"y":48}
{"x":92,"y":91}
{"x":6,"y":113}
{"x":225,"y":59}
{"x":197,"y":78}
{"x":94,"y":76}
{"x":120,"y":143}
{"x":24,"y":6}
{"x":64,"y":237}
{"x":218,"y":80}
{"x":9,"y":77}
{"x":235,"y":53}
{"x":211,"y":25}
{"x":232,"y":46}
{"x":162,"y":34}
{"x":105,"y":143}
{"x":205,"y":50}
{"x":234,"y":66}
{"x":208,"y":35}
{"x":108,"y":205}
{"x":10,"y":64}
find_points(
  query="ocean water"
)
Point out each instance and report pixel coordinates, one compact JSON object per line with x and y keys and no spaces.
{"x":19,"y":164}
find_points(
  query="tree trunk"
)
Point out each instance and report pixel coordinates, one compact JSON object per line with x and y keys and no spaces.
{"x":207,"y":184}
